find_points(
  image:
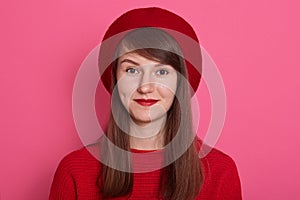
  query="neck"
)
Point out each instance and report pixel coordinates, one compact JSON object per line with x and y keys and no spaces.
{"x":149,"y":136}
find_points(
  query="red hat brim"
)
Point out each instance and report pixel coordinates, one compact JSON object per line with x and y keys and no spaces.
{"x":150,"y":17}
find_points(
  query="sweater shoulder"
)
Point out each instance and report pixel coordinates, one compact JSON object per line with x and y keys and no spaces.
{"x":217,"y":161}
{"x":221,"y":177}
{"x":76,"y":174}
{"x":214,"y":158}
{"x":80,"y":158}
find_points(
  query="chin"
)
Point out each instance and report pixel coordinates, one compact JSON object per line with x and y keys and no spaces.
{"x":141,"y":119}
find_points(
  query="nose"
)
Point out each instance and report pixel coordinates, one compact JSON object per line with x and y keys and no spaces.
{"x":145,"y":85}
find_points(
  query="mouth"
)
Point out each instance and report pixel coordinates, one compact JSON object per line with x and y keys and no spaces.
{"x":146,"y":102}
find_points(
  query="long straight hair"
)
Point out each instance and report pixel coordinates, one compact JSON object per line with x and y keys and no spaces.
{"x":183,"y":178}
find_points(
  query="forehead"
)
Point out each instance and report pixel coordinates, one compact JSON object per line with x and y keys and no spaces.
{"x":135,"y":58}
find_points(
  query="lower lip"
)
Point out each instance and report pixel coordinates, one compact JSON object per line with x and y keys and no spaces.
{"x":146,"y":103}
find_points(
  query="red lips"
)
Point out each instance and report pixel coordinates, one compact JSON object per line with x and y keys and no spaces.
{"x":146,"y":102}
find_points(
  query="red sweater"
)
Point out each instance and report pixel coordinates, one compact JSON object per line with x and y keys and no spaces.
{"x":77,"y":175}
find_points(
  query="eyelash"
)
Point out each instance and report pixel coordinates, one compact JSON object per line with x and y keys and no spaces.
{"x":127,"y":70}
{"x":166,"y":72}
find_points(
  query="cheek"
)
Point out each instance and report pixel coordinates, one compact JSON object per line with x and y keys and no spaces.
{"x":167,"y":95}
{"x":168,"y":87}
{"x":126,"y":87}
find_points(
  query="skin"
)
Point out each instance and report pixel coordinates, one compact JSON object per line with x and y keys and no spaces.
{"x":141,"y":78}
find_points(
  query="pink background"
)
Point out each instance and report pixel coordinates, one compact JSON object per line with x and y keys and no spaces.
{"x":255,"y":44}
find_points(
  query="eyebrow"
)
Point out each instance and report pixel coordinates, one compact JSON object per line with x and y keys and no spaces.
{"x":135,"y":63}
{"x":129,"y":61}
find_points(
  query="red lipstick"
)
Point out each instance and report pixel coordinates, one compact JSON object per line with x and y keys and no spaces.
{"x":146,"y":102}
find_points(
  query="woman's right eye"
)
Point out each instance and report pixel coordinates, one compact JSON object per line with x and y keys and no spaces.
{"x":132,"y":71}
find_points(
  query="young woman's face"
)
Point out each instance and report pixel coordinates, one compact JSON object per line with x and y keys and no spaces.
{"x":146,"y":87}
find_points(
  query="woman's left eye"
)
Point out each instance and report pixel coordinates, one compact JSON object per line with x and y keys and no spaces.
{"x":162,"y":72}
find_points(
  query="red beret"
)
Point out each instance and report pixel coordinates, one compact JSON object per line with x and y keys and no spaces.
{"x":149,"y":17}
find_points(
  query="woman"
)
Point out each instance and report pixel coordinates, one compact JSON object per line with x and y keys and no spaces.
{"x":149,"y":150}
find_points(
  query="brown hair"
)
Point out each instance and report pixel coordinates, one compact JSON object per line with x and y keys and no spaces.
{"x":183,"y":178}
